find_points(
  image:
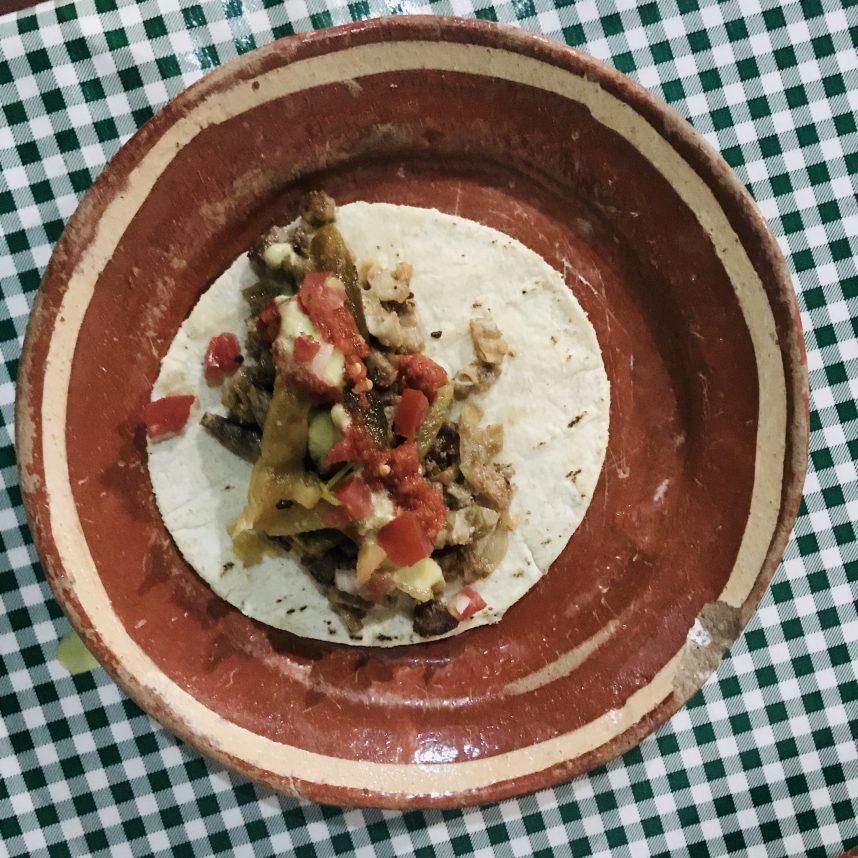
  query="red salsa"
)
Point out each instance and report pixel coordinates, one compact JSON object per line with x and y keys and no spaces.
{"x":396,"y":469}
{"x":323,"y":299}
{"x":422,"y":373}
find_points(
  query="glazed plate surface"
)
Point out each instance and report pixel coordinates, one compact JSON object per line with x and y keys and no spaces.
{"x":697,"y":323}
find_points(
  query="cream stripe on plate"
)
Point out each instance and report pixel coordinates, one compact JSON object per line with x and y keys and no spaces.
{"x":287,"y":761}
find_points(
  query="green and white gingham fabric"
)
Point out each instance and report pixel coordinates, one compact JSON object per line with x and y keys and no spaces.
{"x":763,"y":761}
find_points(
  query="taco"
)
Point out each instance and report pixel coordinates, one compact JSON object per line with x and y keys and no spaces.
{"x":379,"y":427}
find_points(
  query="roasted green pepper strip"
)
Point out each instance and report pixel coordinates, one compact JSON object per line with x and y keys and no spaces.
{"x":266,"y":289}
{"x":330,"y":253}
{"x":315,"y":543}
{"x":284,"y":436}
{"x":434,"y":420}
{"x":371,"y":417}
{"x":278,"y":474}
{"x":244,"y":441}
{"x":289,"y":522}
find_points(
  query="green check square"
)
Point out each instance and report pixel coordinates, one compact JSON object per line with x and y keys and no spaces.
{"x":194,"y":16}
{"x":168,"y":67}
{"x":47,"y":815}
{"x":736,"y":29}
{"x":486,"y":14}
{"x":823,"y":46}
{"x":710,"y":80}
{"x":625,"y":62}
{"x":843,"y":811}
{"x":130,"y":78}
{"x":661,"y":52}
{"x":282,"y":30}
{"x":722,"y":118}
{"x":116,"y":39}
{"x":96,"y":840}
{"x":834,"y":85}
{"x":807,"y":135}
{"x":774,"y":18}
{"x":574,"y":35}
{"x":796,"y":96}
{"x":648,"y":13}
{"x":66,"y":12}
{"x":652,"y":826}
{"x":9,"y":828}
{"x":785,"y":58}
{"x":221,"y":843}
{"x":53,"y":100}
{"x":321,"y":20}
{"x":845,"y":124}
{"x":155,"y":27}
{"x":612,"y":25}
{"x":818,"y":173}
{"x":78,"y":50}
{"x":748,"y":68}
{"x":39,"y":60}
{"x":15,"y":113}
{"x":106,"y":130}
{"x":699,"y":41}
{"x":17,"y":241}
{"x":27,"y":24}
{"x":812,"y":8}
{"x":759,"y":107}
{"x":616,"y":837}
{"x":92,"y":90}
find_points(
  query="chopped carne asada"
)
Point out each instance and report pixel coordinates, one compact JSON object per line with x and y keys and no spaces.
{"x":366,"y":460}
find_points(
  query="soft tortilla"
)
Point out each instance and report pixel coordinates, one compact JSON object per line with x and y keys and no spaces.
{"x":552,"y":400}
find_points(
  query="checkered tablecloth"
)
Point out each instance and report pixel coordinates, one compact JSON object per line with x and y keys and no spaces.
{"x":763,"y":760}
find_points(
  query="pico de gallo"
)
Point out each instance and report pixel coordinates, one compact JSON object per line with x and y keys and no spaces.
{"x":359,"y":464}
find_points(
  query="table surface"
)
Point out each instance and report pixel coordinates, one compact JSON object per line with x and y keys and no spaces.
{"x":763,"y":760}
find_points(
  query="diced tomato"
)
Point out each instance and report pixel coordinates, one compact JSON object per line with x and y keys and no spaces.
{"x":166,"y":416}
{"x":356,"y":498}
{"x":404,"y":540}
{"x":268,"y":322}
{"x":410,"y":413}
{"x":333,"y":516}
{"x":305,"y":349}
{"x":422,"y":373}
{"x":222,"y":356}
{"x":466,"y":603}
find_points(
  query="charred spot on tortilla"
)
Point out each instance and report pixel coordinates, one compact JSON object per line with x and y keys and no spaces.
{"x":386,"y":474}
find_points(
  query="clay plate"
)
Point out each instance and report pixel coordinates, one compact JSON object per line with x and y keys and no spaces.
{"x":697,"y":321}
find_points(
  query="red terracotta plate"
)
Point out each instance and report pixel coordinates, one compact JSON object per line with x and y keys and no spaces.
{"x":697,"y":321}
